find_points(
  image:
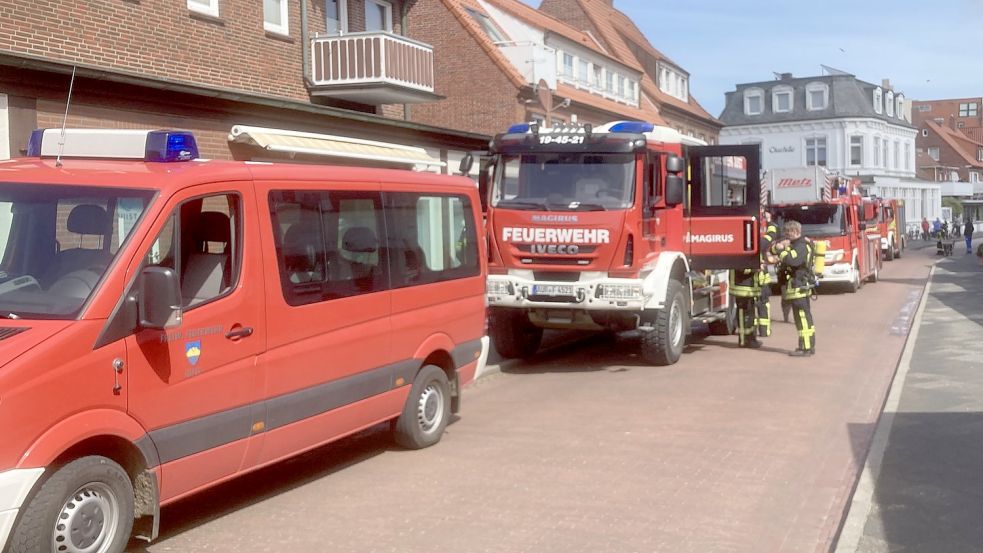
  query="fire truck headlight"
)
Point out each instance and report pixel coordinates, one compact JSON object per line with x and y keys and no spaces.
{"x":619,"y":291}
{"x":500,"y":288}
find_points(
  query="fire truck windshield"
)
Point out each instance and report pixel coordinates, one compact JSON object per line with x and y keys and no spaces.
{"x":564,"y":181}
{"x":817,"y":220}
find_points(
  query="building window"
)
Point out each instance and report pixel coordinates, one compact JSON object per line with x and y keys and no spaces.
{"x":924,"y":107}
{"x":781,"y":99}
{"x":597,"y":78}
{"x":378,"y":16}
{"x":886,"y":160}
{"x":933,"y":152}
{"x":974,"y":176}
{"x":877,"y":151}
{"x":486,"y":25}
{"x":878,"y":100}
{"x":753,"y":101}
{"x":979,"y":154}
{"x":816,"y":151}
{"x":567,"y":68}
{"x":968,"y":109}
{"x":900,"y":106}
{"x":275,"y":19}
{"x":856,"y":150}
{"x":924,"y":132}
{"x":897,"y":153}
{"x":907,"y":156}
{"x":889,"y":104}
{"x":817,"y":96}
{"x":207,"y":7}
{"x":621,"y":86}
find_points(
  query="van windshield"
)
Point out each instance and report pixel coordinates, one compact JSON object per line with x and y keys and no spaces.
{"x":817,"y":220}
{"x":565,"y":182}
{"x":56,"y":242}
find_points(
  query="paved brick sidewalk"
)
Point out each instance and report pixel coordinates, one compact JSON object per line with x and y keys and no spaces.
{"x":922,"y":489}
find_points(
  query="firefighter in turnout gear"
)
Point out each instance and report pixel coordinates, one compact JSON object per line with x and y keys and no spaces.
{"x":746,"y":291}
{"x":795,"y":264}
{"x":763,"y":308}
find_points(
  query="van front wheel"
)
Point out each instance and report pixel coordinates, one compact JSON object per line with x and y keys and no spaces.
{"x":427,"y":410}
{"x":86,"y":506}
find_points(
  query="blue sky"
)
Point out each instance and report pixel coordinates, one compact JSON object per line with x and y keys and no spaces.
{"x":924,"y":47}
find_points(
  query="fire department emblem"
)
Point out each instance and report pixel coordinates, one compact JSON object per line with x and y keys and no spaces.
{"x":192,"y":350}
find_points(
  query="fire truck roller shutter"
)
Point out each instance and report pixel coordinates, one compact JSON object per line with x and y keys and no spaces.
{"x":656,"y":283}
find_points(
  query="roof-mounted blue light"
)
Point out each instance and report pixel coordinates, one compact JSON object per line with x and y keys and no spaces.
{"x":34,"y":144}
{"x":169,"y":146}
{"x":520,"y":128}
{"x":638,"y":127}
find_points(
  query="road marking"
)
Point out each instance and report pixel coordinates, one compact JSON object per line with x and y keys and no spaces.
{"x":902,"y":323}
{"x":852,"y":530}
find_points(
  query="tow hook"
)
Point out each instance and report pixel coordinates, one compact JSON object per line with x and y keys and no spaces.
{"x":581,"y":295}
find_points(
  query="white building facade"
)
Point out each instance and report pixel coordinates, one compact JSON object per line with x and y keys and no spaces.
{"x":851,"y":127}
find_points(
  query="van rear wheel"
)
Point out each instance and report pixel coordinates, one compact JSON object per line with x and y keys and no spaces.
{"x":427,"y":410}
{"x":85,"y":507}
{"x":513,"y":335}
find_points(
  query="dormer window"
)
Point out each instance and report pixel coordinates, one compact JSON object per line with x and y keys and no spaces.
{"x":889,"y":104}
{"x":817,"y":96}
{"x":673,"y":83}
{"x":900,"y":106}
{"x":754,"y":100}
{"x":878,"y":100}
{"x":781,"y":99}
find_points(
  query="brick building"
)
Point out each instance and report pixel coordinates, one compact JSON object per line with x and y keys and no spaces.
{"x":492,"y":55}
{"x":340,"y":68}
{"x":950,"y":147}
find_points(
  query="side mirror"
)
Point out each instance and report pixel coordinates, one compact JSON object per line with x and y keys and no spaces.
{"x":675,"y":164}
{"x":484,"y":180}
{"x":159,"y":305}
{"x":466,"y":163}
{"x":675,"y":190}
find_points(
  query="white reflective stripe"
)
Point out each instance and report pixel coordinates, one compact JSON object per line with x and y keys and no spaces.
{"x":15,"y":485}
{"x":6,"y":525}
{"x":483,"y":359}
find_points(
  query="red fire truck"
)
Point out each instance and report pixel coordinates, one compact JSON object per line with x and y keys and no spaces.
{"x":623,"y":226}
{"x":891,"y":225}
{"x":831,"y":209}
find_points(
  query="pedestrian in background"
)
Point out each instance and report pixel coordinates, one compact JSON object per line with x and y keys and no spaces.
{"x":936,"y":228}
{"x":924,"y":228}
{"x":968,"y":233}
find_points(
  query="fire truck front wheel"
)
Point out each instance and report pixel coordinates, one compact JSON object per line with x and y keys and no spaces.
{"x":514,"y":336}
{"x":86,"y":506}
{"x":665,"y":335}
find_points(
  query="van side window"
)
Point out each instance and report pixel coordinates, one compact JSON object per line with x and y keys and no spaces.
{"x":329,"y":244}
{"x":200,"y":241}
{"x":431,"y":238}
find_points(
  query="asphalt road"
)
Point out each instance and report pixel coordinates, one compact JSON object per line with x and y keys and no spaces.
{"x":586,"y":448}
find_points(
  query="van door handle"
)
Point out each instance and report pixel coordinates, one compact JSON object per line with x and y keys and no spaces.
{"x":241,"y":332}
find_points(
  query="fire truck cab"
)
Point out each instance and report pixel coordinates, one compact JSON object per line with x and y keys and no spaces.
{"x":832,"y":209}
{"x":620,"y":227}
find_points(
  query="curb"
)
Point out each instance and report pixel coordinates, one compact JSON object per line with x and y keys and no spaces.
{"x":861,"y":503}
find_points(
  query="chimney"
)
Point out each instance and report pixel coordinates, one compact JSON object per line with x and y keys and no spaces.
{"x":952,"y":121}
{"x":886,"y":84}
{"x":785,"y":77}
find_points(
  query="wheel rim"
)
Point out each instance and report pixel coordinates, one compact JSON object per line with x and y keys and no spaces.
{"x":675,"y":324}
{"x":88,"y":521}
{"x":430,"y":409}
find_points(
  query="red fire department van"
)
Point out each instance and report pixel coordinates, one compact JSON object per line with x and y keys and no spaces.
{"x":600,"y":229}
{"x":830,"y":209}
{"x":891,"y":225}
{"x":171,"y":323}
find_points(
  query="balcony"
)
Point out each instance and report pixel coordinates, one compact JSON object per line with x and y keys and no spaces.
{"x":372,"y":68}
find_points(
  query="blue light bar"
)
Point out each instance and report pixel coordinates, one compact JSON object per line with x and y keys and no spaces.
{"x":520,"y":128}
{"x":632,"y":127}
{"x":169,"y":146}
{"x":34,"y":144}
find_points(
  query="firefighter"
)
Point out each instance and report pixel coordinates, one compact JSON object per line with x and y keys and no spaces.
{"x":795,"y":263}
{"x":768,"y":238}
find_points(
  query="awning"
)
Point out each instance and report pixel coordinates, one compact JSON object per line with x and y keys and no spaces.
{"x":295,"y":142}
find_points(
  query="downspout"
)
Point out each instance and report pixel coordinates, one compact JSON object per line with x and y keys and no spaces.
{"x":404,"y":11}
{"x":305,"y":52}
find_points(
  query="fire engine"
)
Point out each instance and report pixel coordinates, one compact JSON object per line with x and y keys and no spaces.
{"x":891,"y":225}
{"x":620,"y":227}
{"x":832,"y":209}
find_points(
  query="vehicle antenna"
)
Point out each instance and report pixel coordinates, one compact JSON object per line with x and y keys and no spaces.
{"x":64,"y":121}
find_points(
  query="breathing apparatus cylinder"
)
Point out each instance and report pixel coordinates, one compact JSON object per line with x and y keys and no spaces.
{"x":819,"y":257}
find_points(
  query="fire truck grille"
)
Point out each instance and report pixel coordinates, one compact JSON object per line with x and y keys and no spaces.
{"x":527,"y":248}
{"x":7,"y":332}
{"x":569,"y":262}
{"x":557,"y":276}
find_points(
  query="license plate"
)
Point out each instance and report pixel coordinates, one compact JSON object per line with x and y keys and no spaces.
{"x":552,"y":290}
